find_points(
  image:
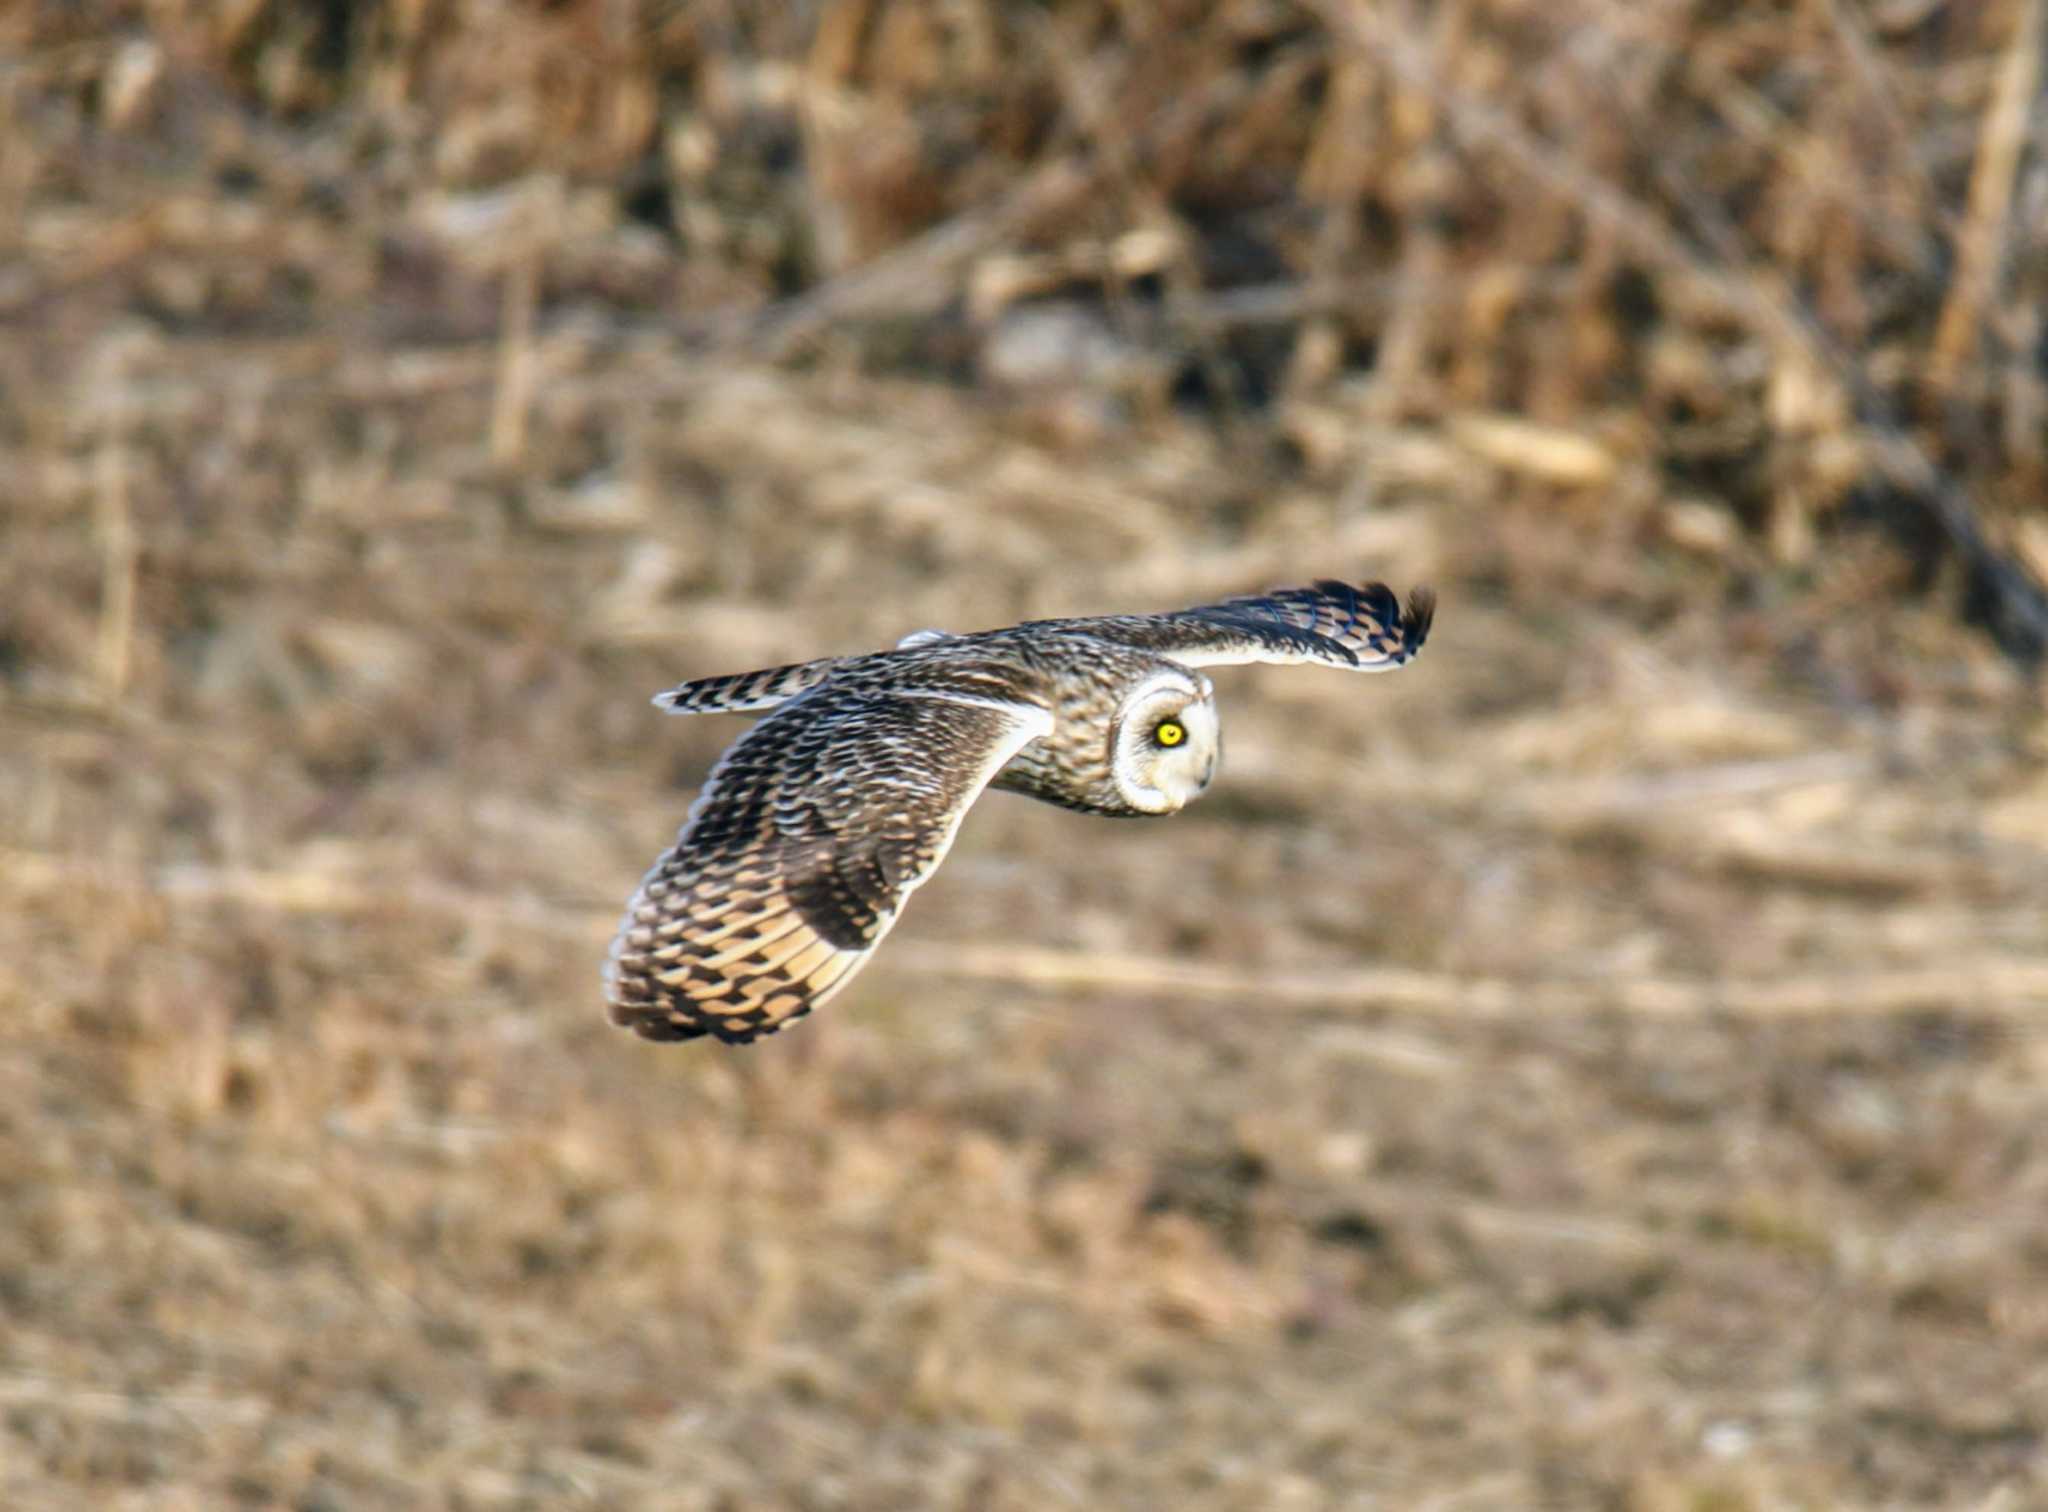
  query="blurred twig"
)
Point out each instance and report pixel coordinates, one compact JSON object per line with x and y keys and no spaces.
{"x":2015,"y":987}
{"x":514,"y":392}
{"x":921,"y":275}
{"x":117,"y":560}
{"x":213,"y":1409}
{"x":2012,"y":987}
{"x":1981,"y":242}
{"x":1881,"y":89}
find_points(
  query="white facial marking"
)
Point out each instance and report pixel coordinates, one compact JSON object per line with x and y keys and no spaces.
{"x":1168,"y":742}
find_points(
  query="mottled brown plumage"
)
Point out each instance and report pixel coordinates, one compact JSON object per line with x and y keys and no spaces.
{"x":816,"y":825}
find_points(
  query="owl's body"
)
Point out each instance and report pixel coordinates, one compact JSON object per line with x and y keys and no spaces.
{"x":812,"y":830}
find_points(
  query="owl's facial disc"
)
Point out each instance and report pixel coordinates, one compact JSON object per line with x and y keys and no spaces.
{"x":1167,"y":743}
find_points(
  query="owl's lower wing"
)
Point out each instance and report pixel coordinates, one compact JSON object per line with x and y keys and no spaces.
{"x":799,"y":852}
{"x":1361,"y":627}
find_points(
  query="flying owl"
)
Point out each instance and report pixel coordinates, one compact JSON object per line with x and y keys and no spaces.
{"x":813,"y":829}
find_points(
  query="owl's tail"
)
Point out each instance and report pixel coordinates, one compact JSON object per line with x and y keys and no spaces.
{"x":746,"y":692}
{"x":752,"y":692}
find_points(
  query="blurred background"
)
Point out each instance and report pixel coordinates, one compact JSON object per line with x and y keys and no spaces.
{"x":1600,"y":1066}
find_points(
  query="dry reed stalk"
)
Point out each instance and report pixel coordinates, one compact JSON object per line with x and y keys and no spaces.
{"x":204,"y":1407}
{"x":2007,"y":988}
{"x":1981,"y":244}
{"x":514,"y":396}
{"x":1500,"y":1223}
{"x":282,"y":891}
{"x":118,"y":555}
{"x":2013,"y":988}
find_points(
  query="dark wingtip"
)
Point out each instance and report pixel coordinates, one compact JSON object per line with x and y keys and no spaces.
{"x":1418,"y":617}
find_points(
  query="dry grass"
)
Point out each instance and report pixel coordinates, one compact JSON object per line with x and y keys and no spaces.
{"x":1602,"y":1066}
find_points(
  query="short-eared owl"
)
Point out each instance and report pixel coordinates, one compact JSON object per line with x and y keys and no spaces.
{"x":812,"y":830}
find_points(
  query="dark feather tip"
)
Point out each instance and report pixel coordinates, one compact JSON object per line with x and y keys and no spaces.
{"x":1377,"y":599}
{"x":1418,"y":617}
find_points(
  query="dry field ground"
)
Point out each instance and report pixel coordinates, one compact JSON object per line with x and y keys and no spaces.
{"x":1601,"y":1066}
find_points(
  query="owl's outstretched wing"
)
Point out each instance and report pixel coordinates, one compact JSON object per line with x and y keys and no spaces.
{"x":1363,"y":628}
{"x":800,"y":850}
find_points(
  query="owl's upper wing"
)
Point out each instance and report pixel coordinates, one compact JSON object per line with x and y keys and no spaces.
{"x":1361,"y":627}
{"x":800,"y":850}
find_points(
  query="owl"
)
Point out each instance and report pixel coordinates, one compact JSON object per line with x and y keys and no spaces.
{"x":812,"y":830}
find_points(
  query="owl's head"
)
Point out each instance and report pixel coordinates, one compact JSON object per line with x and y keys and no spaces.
{"x":1166,"y":741}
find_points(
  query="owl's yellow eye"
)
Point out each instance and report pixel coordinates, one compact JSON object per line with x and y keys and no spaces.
{"x":1170,"y":733}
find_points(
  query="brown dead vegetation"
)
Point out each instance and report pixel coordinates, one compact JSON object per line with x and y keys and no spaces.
{"x":1601,"y":1066}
